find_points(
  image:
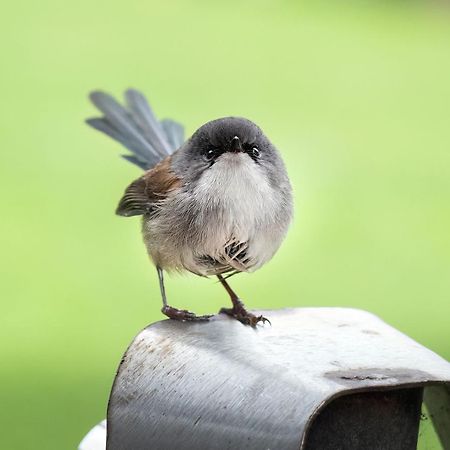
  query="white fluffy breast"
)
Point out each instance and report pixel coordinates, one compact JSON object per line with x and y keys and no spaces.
{"x":232,"y":203}
{"x":240,"y":188}
{"x":240,"y":207}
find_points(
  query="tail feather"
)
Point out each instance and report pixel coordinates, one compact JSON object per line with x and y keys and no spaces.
{"x":145,"y":118}
{"x":135,"y":160}
{"x":104,"y":126}
{"x":136,"y":129}
{"x":174,"y":132}
{"x":119,"y":118}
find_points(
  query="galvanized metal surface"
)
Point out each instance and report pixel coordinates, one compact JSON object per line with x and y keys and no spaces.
{"x":223,"y":385}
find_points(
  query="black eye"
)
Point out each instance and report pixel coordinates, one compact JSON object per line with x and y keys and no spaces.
{"x":255,"y":152}
{"x":210,"y":154}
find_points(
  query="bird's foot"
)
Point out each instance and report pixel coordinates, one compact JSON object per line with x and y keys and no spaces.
{"x":239,"y":312}
{"x":183,"y":314}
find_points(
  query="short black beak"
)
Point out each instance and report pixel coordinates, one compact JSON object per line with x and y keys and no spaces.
{"x":236,"y":145}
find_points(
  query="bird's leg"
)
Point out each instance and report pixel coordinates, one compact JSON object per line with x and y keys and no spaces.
{"x":238,"y":310}
{"x":174,"y":313}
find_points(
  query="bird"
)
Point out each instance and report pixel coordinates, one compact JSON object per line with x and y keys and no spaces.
{"x":217,"y":204}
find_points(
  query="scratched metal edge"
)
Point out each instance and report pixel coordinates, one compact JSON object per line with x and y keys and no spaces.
{"x":216,"y":317}
{"x":320,"y":407}
{"x":109,"y":426}
{"x":350,"y":391}
{"x":108,"y":421}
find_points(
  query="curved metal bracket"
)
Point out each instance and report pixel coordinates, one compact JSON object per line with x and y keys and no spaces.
{"x":223,"y":385}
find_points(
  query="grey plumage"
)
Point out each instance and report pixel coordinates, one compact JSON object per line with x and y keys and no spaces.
{"x":136,"y":161}
{"x":221,"y":202}
{"x":136,"y":128}
{"x":174,"y":132}
{"x":143,"y":115}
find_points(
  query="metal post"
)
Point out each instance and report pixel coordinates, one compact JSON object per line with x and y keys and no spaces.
{"x":318,"y":378}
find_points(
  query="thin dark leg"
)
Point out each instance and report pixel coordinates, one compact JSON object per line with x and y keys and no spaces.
{"x":238,"y":310}
{"x":161,"y":285}
{"x":174,"y":313}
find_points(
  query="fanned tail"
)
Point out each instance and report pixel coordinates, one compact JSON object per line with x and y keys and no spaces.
{"x":136,"y":128}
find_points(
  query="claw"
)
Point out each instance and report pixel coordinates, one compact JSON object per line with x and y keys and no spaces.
{"x":245,"y":317}
{"x":256,"y":319}
{"x":264,"y":320}
{"x":183,"y":314}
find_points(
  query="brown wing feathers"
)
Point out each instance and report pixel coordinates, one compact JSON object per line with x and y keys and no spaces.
{"x":143,"y":194}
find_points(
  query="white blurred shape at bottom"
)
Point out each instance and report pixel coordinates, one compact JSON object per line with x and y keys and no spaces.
{"x":95,"y":439}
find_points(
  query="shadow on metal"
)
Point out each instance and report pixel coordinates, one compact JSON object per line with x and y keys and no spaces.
{"x":318,"y":378}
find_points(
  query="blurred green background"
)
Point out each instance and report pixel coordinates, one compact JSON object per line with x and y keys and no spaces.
{"x":356,"y":95}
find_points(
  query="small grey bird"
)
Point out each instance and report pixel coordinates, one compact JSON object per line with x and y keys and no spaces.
{"x":219,"y":203}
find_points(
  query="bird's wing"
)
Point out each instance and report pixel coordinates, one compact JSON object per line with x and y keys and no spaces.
{"x":145,"y":193}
